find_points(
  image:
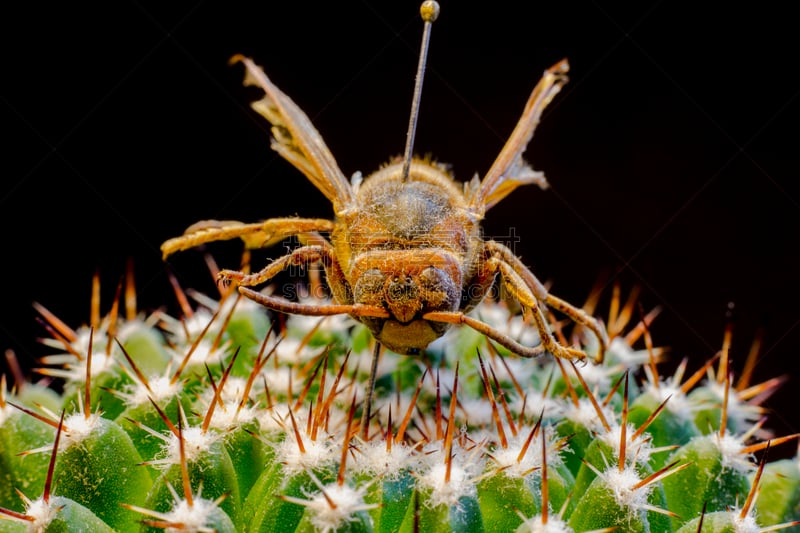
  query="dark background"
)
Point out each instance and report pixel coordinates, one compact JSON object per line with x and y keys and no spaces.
{"x":672,"y":153}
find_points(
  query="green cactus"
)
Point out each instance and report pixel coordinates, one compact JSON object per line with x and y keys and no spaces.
{"x":236,"y":423}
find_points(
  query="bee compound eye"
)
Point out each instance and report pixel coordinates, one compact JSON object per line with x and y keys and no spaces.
{"x":368,"y":288}
{"x":439,"y":288}
{"x":432,"y":278}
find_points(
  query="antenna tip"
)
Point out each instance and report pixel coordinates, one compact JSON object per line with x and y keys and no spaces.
{"x":429,"y":10}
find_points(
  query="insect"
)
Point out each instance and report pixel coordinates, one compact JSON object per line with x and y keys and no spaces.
{"x":405,"y":255}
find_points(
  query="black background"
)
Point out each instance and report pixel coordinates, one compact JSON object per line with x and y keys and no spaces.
{"x":672,"y":152}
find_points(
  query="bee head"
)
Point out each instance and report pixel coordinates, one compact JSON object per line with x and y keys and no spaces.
{"x":407,"y":286}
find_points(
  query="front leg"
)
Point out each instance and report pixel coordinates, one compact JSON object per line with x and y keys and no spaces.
{"x":457,"y":317}
{"x":256,"y":235}
{"x":305,"y":255}
{"x":524,"y":285}
{"x":517,"y":287}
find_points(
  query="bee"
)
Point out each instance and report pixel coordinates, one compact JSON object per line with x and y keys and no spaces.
{"x":405,"y":254}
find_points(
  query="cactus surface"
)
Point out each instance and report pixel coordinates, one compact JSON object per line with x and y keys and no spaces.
{"x":231,"y":419}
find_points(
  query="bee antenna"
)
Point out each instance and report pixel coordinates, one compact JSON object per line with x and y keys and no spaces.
{"x":429,"y":10}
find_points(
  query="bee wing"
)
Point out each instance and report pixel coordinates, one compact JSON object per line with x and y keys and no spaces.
{"x":296,"y":139}
{"x":510,"y":170}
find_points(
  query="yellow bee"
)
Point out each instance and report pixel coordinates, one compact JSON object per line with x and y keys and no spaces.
{"x":405,"y":254}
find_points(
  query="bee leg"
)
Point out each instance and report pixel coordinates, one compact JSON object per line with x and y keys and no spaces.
{"x":293,"y":308}
{"x":304,"y":255}
{"x":322,"y":252}
{"x":519,"y":290}
{"x":579,"y":316}
{"x":257,"y":235}
{"x":457,"y":317}
{"x":527,"y":286}
{"x":301,"y":256}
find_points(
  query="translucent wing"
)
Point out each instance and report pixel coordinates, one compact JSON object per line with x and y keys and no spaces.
{"x":510,"y":170}
{"x":296,"y":139}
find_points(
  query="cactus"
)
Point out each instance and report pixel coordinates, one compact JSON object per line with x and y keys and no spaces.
{"x":232,"y":419}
